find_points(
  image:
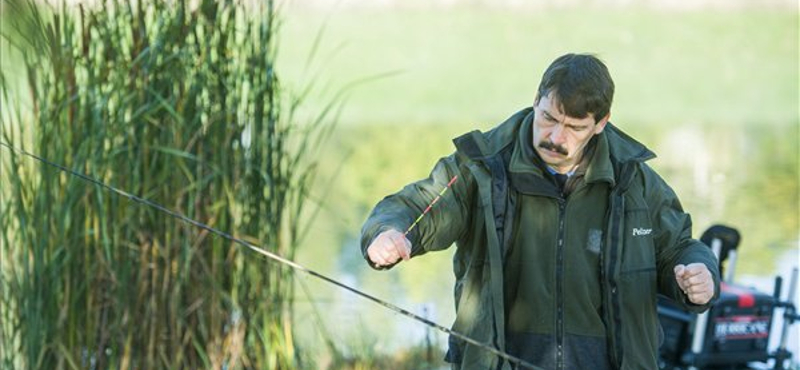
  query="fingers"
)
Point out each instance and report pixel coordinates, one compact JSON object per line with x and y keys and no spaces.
{"x":695,"y":269}
{"x":696,"y":282}
{"x":389,"y":247}
{"x":679,"y":271}
{"x":699,"y":294}
{"x":402,"y":246}
{"x":700,"y":297}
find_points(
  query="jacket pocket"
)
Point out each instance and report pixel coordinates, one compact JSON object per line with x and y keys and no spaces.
{"x":639,"y":326}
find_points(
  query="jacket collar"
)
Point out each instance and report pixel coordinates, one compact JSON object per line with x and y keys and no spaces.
{"x":612,"y":149}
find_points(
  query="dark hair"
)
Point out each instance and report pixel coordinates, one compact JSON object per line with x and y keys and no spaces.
{"x":581,"y":84}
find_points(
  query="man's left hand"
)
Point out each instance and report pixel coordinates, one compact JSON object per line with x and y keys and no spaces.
{"x":696,"y":282}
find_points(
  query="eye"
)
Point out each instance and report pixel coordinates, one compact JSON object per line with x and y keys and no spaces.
{"x":578,"y":128}
{"x":546,"y":120}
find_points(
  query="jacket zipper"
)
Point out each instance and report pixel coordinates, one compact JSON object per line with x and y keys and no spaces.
{"x":560,"y":286}
{"x":617,"y":206}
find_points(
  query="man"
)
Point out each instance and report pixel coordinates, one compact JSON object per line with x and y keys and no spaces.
{"x":564,"y":234}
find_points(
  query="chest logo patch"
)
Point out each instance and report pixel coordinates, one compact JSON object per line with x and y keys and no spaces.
{"x":641,"y":231}
{"x":594,"y":240}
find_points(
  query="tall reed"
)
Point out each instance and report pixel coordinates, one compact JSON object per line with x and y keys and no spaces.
{"x":179,"y":102}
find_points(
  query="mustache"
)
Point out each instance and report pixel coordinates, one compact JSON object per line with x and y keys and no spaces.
{"x":553,"y":147}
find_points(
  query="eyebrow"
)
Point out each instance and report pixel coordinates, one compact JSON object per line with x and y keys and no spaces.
{"x":551,"y":117}
{"x":548,"y":115}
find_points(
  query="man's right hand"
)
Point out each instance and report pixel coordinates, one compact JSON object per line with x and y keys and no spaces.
{"x":388,"y":248}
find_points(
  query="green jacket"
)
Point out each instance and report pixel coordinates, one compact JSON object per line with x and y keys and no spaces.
{"x":477,"y":215}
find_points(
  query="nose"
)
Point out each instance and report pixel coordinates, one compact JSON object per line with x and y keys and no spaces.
{"x":558,"y":135}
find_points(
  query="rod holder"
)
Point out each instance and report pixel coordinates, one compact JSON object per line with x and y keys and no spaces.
{"x":789,"y":313}
{"x":729,"y":273}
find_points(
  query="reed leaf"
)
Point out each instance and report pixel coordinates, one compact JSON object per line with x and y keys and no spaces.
{"x":178,"y":102}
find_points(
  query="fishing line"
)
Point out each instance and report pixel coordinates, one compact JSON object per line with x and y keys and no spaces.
{"x":278,"y":258}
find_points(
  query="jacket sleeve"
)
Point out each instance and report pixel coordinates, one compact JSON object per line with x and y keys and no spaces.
{"x":443,"y":224}
{"x":673,"y":241}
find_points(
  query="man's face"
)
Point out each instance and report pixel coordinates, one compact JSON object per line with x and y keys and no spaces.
{"x":560,"y":139}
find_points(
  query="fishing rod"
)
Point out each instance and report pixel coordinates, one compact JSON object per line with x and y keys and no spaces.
{"x":278,"y":258}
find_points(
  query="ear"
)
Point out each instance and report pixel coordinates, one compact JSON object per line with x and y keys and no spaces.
{"x":598,"y":128}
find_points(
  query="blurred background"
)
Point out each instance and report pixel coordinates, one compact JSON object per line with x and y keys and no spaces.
{"x":710,"y":86}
